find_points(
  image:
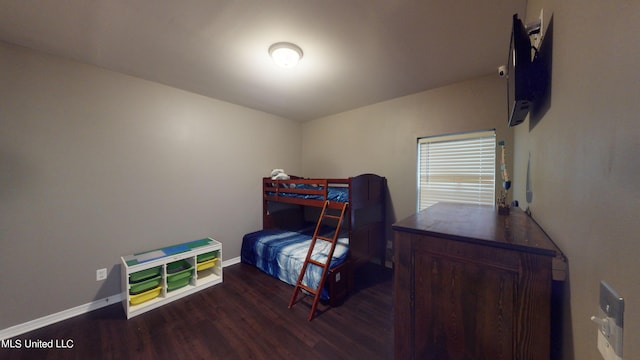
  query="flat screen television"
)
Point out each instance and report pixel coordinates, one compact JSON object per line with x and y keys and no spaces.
{"x":520,"y":90}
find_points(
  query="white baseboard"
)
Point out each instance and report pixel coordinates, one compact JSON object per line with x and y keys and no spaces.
{"x":62,"y":315}
{"x":78,"y":310}
{"x":230,"y":262}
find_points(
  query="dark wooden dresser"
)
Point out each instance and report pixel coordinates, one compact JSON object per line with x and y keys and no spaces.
{"x":472,"y":284}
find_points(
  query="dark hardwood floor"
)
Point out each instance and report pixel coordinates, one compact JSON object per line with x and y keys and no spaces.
{"x":245,"y":317}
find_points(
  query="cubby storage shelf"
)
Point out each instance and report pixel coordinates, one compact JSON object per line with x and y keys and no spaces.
{"x":184,"y":277}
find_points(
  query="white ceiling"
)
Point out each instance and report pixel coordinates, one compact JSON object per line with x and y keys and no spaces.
{"x":356,"y":52}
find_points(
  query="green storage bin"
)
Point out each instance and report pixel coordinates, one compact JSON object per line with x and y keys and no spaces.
{"x":178,"y":283}
{"x":142,"y":275}
{"x":142,"y":286}
{"x":178,"y":270}
{"x":207,"y":256}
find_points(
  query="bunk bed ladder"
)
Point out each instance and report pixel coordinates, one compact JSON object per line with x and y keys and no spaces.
{"x":308,"y":260}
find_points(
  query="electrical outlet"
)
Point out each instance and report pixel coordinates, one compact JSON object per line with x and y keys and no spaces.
{"x":101,"y":274}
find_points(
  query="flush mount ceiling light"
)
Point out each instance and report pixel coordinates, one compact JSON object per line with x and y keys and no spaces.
{"x":285,"y":54}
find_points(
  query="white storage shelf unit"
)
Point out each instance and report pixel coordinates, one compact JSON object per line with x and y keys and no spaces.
{"x":157,"y":277}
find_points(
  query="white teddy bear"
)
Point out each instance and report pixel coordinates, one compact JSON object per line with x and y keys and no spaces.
{"x":279,"y":174}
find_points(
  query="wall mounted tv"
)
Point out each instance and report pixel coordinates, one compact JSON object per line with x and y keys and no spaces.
{"x":520,"y":74}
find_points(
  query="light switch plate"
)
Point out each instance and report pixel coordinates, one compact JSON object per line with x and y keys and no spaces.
{"x":611,"y":323}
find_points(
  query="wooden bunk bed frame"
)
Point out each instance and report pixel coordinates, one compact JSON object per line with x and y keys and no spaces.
{"x":364,"y":220}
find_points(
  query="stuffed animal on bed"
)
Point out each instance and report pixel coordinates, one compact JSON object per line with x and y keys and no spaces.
{"x":279,"y":174}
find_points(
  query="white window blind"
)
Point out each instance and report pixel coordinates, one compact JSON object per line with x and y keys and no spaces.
{"x":457,"y":168}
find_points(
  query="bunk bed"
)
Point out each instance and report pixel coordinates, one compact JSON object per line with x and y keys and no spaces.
{"x":290,"y":212}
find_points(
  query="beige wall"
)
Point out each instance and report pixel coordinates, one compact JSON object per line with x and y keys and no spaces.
{"x":382,"y":138}
{"x":585,"y":164}
{"x":95,"y":165}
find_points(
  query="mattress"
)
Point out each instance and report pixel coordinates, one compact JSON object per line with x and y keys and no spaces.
{"x":281,"y":253}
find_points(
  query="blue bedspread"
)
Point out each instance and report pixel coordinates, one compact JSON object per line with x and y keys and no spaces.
{"x":338,"y":194}
{"x":281,"y":253}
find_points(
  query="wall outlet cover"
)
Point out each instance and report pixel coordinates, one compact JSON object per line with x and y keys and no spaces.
{"x":606,"y":350}
{"x":101,"y":274}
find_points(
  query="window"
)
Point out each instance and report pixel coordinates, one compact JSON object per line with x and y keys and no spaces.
{"x":457,"y":168}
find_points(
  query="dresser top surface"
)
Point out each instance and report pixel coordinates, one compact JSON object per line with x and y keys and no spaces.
{"x":481,"y":225}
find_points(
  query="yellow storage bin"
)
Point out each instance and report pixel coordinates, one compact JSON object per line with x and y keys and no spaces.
{"x":207,"y":264}
{"x":145,"y":296}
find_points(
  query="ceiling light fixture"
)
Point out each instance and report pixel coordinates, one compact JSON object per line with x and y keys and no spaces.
{"x":285,"y":54}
